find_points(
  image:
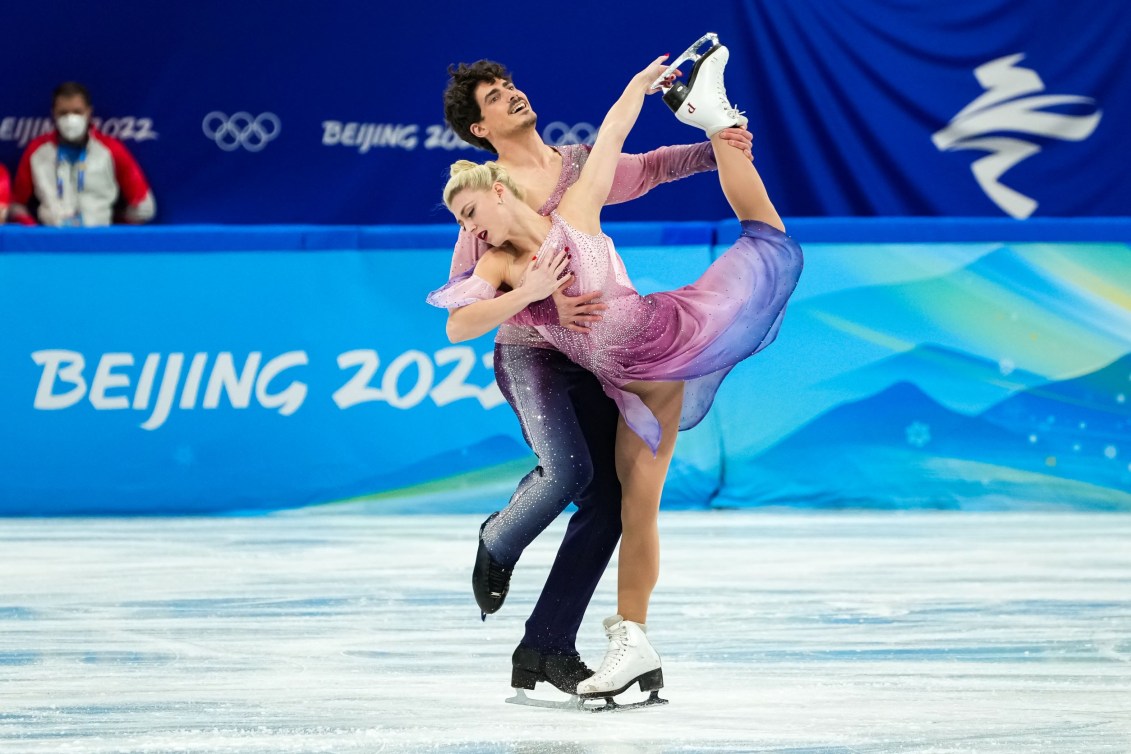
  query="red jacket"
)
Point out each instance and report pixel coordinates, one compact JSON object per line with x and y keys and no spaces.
{"x":4,"y":191}
{"x":108,"y":174}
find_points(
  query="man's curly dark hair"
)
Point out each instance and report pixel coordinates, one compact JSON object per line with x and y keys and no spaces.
{"x":460,"y":108}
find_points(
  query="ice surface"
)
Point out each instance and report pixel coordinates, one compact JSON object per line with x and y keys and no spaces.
{"x":349,"y":632}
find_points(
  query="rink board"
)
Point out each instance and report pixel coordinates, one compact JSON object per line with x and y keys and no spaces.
{"x":955,"y":364}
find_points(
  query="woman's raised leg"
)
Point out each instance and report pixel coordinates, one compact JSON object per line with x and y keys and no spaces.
{"x":743,"y":186}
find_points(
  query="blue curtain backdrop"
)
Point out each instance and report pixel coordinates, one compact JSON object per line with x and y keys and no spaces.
{"x":330,"y":112}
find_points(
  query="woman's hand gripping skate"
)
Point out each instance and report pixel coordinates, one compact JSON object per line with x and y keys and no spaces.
{"x":652,"y":77}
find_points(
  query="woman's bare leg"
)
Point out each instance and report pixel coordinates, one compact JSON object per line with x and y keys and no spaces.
{"x":642,"y":478}
{"x":743,"y":186}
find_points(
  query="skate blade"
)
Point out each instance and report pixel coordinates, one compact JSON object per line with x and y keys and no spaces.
{"x":520,"y":698}
{"x":611,"y":705}
{"x":690,"y":54}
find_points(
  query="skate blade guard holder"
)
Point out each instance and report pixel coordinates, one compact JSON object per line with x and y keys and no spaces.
{"x":576,"y":704}
{"x":520,"y":698}
{"x":601,"y":701}
{"x":690,"y":54}
{"x":652,"y":682}
{"x":611,"y":705}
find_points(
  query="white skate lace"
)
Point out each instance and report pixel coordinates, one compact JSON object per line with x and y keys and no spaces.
{"x":618,"y":643}
{"x":731,"y":111}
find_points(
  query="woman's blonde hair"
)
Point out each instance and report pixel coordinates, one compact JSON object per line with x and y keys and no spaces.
{"x":466,"y":174}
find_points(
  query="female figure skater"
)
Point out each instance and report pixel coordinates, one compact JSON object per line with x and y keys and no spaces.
{"x":660,"y":357}
{"x":565,"y":416}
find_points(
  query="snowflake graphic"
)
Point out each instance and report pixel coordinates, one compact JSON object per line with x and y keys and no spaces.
{"x":918,"y":434}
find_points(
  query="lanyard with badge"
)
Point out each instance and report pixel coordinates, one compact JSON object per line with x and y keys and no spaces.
{"x":61,"y":169}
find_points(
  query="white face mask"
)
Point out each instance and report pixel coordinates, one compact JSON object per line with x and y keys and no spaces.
{"x":72,"y":127}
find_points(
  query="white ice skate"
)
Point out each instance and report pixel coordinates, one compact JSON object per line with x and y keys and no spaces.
{"x":702,"y":101}
{"x":630,"y":659}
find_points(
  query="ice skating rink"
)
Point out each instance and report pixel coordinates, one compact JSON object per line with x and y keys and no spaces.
{"x":338,"y":631}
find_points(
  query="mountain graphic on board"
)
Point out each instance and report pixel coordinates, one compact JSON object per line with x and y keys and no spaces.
{"x":899,"y":448}
{"x":1014,"y":301}
{"x":1081,"y":425}
{"x":963,"y":381}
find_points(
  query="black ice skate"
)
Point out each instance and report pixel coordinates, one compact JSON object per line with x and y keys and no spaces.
{"x":702,"y":101}
{"x":563,"y":671}
{"x":490,"y":581}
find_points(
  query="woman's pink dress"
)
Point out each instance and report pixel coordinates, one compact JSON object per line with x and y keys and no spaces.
{"x":695,"y":334}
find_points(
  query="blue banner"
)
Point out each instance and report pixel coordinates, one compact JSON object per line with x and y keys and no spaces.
{"x":969,"y":365}
{"x":228,"y":380}
{"x":263,"y":369}
{"x":331,"y":112}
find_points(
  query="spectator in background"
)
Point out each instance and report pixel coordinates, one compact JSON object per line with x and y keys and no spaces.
{"x":3,"y":194}
{"x":76,"y":175}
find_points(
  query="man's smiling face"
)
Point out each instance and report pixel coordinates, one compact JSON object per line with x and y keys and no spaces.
{"x":504,"y":108}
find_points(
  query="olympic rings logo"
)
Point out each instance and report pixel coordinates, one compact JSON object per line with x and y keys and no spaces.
{"x":241,"y":130}
{"x":558,"y":133}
